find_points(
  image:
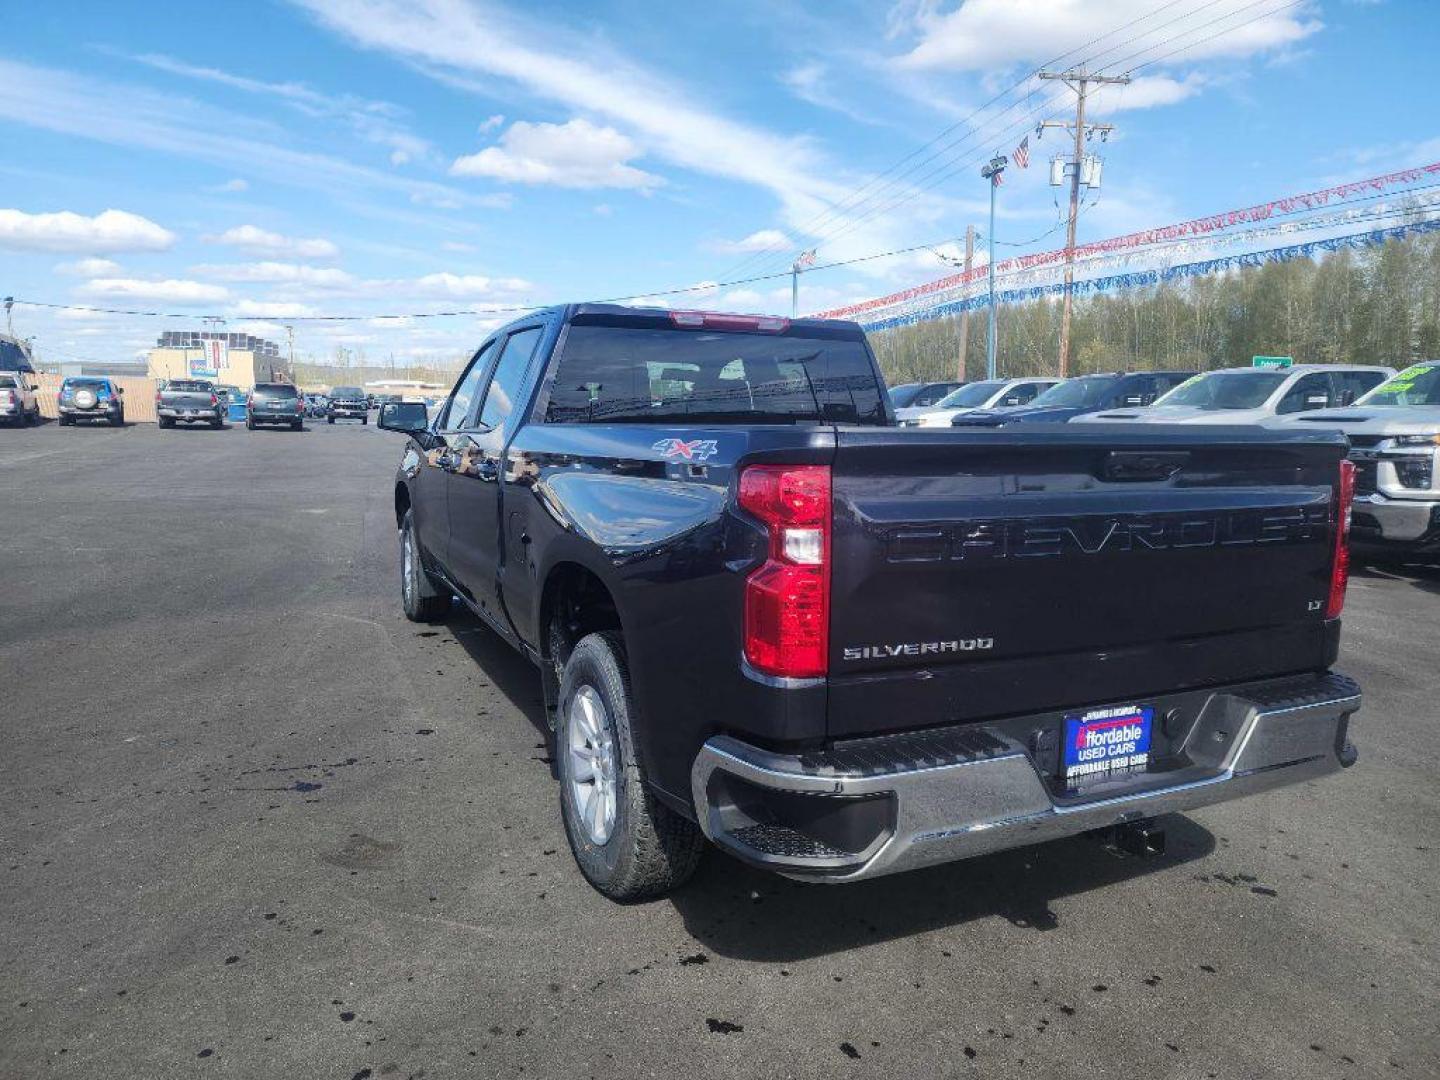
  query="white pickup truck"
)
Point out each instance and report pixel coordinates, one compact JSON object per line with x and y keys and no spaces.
{"x":1394,"y":434}
{"x":18,"y":404}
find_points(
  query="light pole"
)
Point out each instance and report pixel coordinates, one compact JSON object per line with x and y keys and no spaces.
{"x":992,"y":172}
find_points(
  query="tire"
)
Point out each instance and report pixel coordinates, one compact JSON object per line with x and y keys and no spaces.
{"x":422,"y":598}
{"x":364,"y":421}
{"x":249,"y":424}
{"x":648,"y":849}
{"x":218,"y":423}
{"x":297,"y":425}
{"x":165,"y":422}
{"x":118,"y":420}
{"x":330,"y":419}
{"x":65,"y":421}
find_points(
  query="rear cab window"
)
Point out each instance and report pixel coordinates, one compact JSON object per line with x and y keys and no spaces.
{"x":647,"y":369}
{"x":275,"y":390}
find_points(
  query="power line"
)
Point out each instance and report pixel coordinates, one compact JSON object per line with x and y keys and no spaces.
{"x":683,"y":290}
{"x":953,"y":165}
{"x":845,"y":204}
{"x":515,"y":310}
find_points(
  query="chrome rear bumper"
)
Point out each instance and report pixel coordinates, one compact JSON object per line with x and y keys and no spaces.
{"x":968,"y":791}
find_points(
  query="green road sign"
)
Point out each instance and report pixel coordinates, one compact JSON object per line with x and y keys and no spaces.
{"x":1272,"y":361}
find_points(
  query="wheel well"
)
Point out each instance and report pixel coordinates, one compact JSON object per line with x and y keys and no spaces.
{"x":402,"y":503}
{"x":575,"y":603}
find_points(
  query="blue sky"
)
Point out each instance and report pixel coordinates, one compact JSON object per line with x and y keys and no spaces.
{"x":273,"y":160}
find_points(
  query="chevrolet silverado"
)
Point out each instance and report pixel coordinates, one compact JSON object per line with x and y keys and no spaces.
{"x":764,"y":616}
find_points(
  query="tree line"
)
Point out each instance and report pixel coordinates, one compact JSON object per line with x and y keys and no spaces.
{"x":1376,"y":305}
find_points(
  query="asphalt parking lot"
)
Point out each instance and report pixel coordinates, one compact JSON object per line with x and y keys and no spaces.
{"x":257,"y":824}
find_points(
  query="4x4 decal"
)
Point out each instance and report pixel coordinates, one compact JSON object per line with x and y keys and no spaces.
{"x":694,"y":450}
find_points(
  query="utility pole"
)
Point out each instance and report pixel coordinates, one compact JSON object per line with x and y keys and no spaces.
{"x":992,"y":172}
{"x":965,"y":315}
{"x":1079,"y":81}
{"x":803,"y":261}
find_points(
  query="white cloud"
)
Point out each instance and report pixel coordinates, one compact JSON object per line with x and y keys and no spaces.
{"x":465,"y":286}
{"x":761,"y":240}
{"x":373,"y":121}
{"x":277,"y":273}
{"x":490,"y":123}
{"x":88,"y":268}
{"x":230,"y":187}
{"x":577,"y":154}
{"x":983,"y":35}
{"x":254,"y":240}
{"x":457,"y":246}
{"x":453,"y":40}
{"x":168,"y":291}
{"x":107,"y":232}
{"x":602,"y":209}
{"x":121,"y":115}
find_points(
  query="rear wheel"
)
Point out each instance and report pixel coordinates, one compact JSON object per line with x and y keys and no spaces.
{"x":296,"y":425}
{"x":249,"y":424}
{"x":65,"y":421}
{"x":422,"y":597}
{"x":118,"y":419}
{"x":365,"y":420}
{"x":628,"y":844}
{"x":330,"y":419}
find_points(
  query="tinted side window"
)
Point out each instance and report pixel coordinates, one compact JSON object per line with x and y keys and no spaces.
{"x":462,"y":398}
{"x":1309,"y":392}
{"x":1023,"y":395}
{"x":509,"y":374}
{"x":1352,"y":384}
{"x":931,"y":394}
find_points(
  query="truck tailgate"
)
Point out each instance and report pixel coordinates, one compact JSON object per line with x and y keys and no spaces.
{"x":995,"y":573}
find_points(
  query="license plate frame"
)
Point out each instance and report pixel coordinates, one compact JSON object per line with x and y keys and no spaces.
{"x":1101,"y":742}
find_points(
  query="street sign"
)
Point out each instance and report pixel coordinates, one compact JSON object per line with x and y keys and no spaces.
{"x":1272,"y":361}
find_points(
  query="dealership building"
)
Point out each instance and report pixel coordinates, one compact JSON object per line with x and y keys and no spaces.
{"x":227,"y":359}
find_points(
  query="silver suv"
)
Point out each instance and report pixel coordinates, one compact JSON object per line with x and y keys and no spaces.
{"x":1394,"y":436}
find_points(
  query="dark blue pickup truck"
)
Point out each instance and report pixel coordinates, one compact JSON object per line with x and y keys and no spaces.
{"x":763,"y":615}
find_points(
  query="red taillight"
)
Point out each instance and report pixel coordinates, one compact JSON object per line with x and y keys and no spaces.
{"x":214,"y":399}
{"x":1340,"y":567}
{"x":9,"y":396}
{"x":787,"y":600}
{"x":157,"y":397}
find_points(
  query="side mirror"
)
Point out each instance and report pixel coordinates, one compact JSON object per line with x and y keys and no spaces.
{"x":408,"y":417}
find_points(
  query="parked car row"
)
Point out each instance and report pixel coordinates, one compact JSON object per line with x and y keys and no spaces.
{"x":1392,"y":422}
{"x":1226,"y":396}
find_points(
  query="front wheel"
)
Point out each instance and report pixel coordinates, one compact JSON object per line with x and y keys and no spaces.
{"x":330,"y":419}
{"x":423,"y":599}
{"x":118,"y":420}
{"x":628,"y":844}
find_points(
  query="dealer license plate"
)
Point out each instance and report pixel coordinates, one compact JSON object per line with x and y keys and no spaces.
{"x":1104,"y":740}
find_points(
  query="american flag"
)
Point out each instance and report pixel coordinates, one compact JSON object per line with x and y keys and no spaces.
{"x":1021,"y":156}
{"x":997,"y":177}
{"x":805,"y":259}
